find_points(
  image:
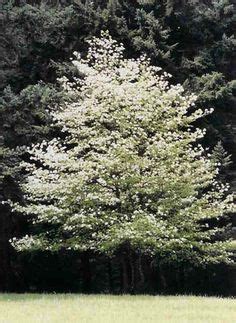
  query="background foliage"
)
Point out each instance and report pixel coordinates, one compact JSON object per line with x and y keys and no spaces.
{"x":193,"y":40}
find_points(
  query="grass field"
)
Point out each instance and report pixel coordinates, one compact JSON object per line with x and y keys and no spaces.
{"x":32,"y":308}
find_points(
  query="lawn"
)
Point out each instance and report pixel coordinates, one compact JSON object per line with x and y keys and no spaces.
{"x":55,"y":308}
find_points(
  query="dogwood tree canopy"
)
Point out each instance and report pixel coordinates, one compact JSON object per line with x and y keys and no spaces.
{"x":130,"y":169}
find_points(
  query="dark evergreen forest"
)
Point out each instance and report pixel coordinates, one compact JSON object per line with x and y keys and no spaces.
{"x":191,"y":39}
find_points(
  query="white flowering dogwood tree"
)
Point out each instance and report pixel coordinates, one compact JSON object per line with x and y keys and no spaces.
{"x":130,"y":172}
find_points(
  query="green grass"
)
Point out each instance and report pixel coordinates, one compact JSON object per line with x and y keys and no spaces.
{"x":32,"y":308}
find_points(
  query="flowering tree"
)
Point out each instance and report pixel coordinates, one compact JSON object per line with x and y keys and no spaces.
{"x":130,"y":175}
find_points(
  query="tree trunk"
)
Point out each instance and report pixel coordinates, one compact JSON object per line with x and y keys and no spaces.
{"x":5,"y":268}
{"x":162,"y":278}
{"x":140,"y":271}
{"x":110,"y":278}
{"x":125,"y":276}
{"x":86,"y":273}
{"x":132,"y":273}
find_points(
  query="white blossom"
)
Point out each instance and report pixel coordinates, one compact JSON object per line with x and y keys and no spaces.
{"x":131,"y":168}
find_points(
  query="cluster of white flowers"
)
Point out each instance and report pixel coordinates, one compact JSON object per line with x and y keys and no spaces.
{"x":27,"y":242}
{"x":131,"y":168}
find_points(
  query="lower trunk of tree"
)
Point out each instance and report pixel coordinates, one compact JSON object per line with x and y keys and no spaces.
{"x":110,"y":277}
{"x":5,"y":267}
{"x":132,"y":273}
{"x":86,"y":273}
{"x":124,"y":275}
{"x":141,"y":277}
{"x":162,"y":278}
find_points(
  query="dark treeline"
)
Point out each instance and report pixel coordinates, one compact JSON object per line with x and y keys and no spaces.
{"x":191,"y":39}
